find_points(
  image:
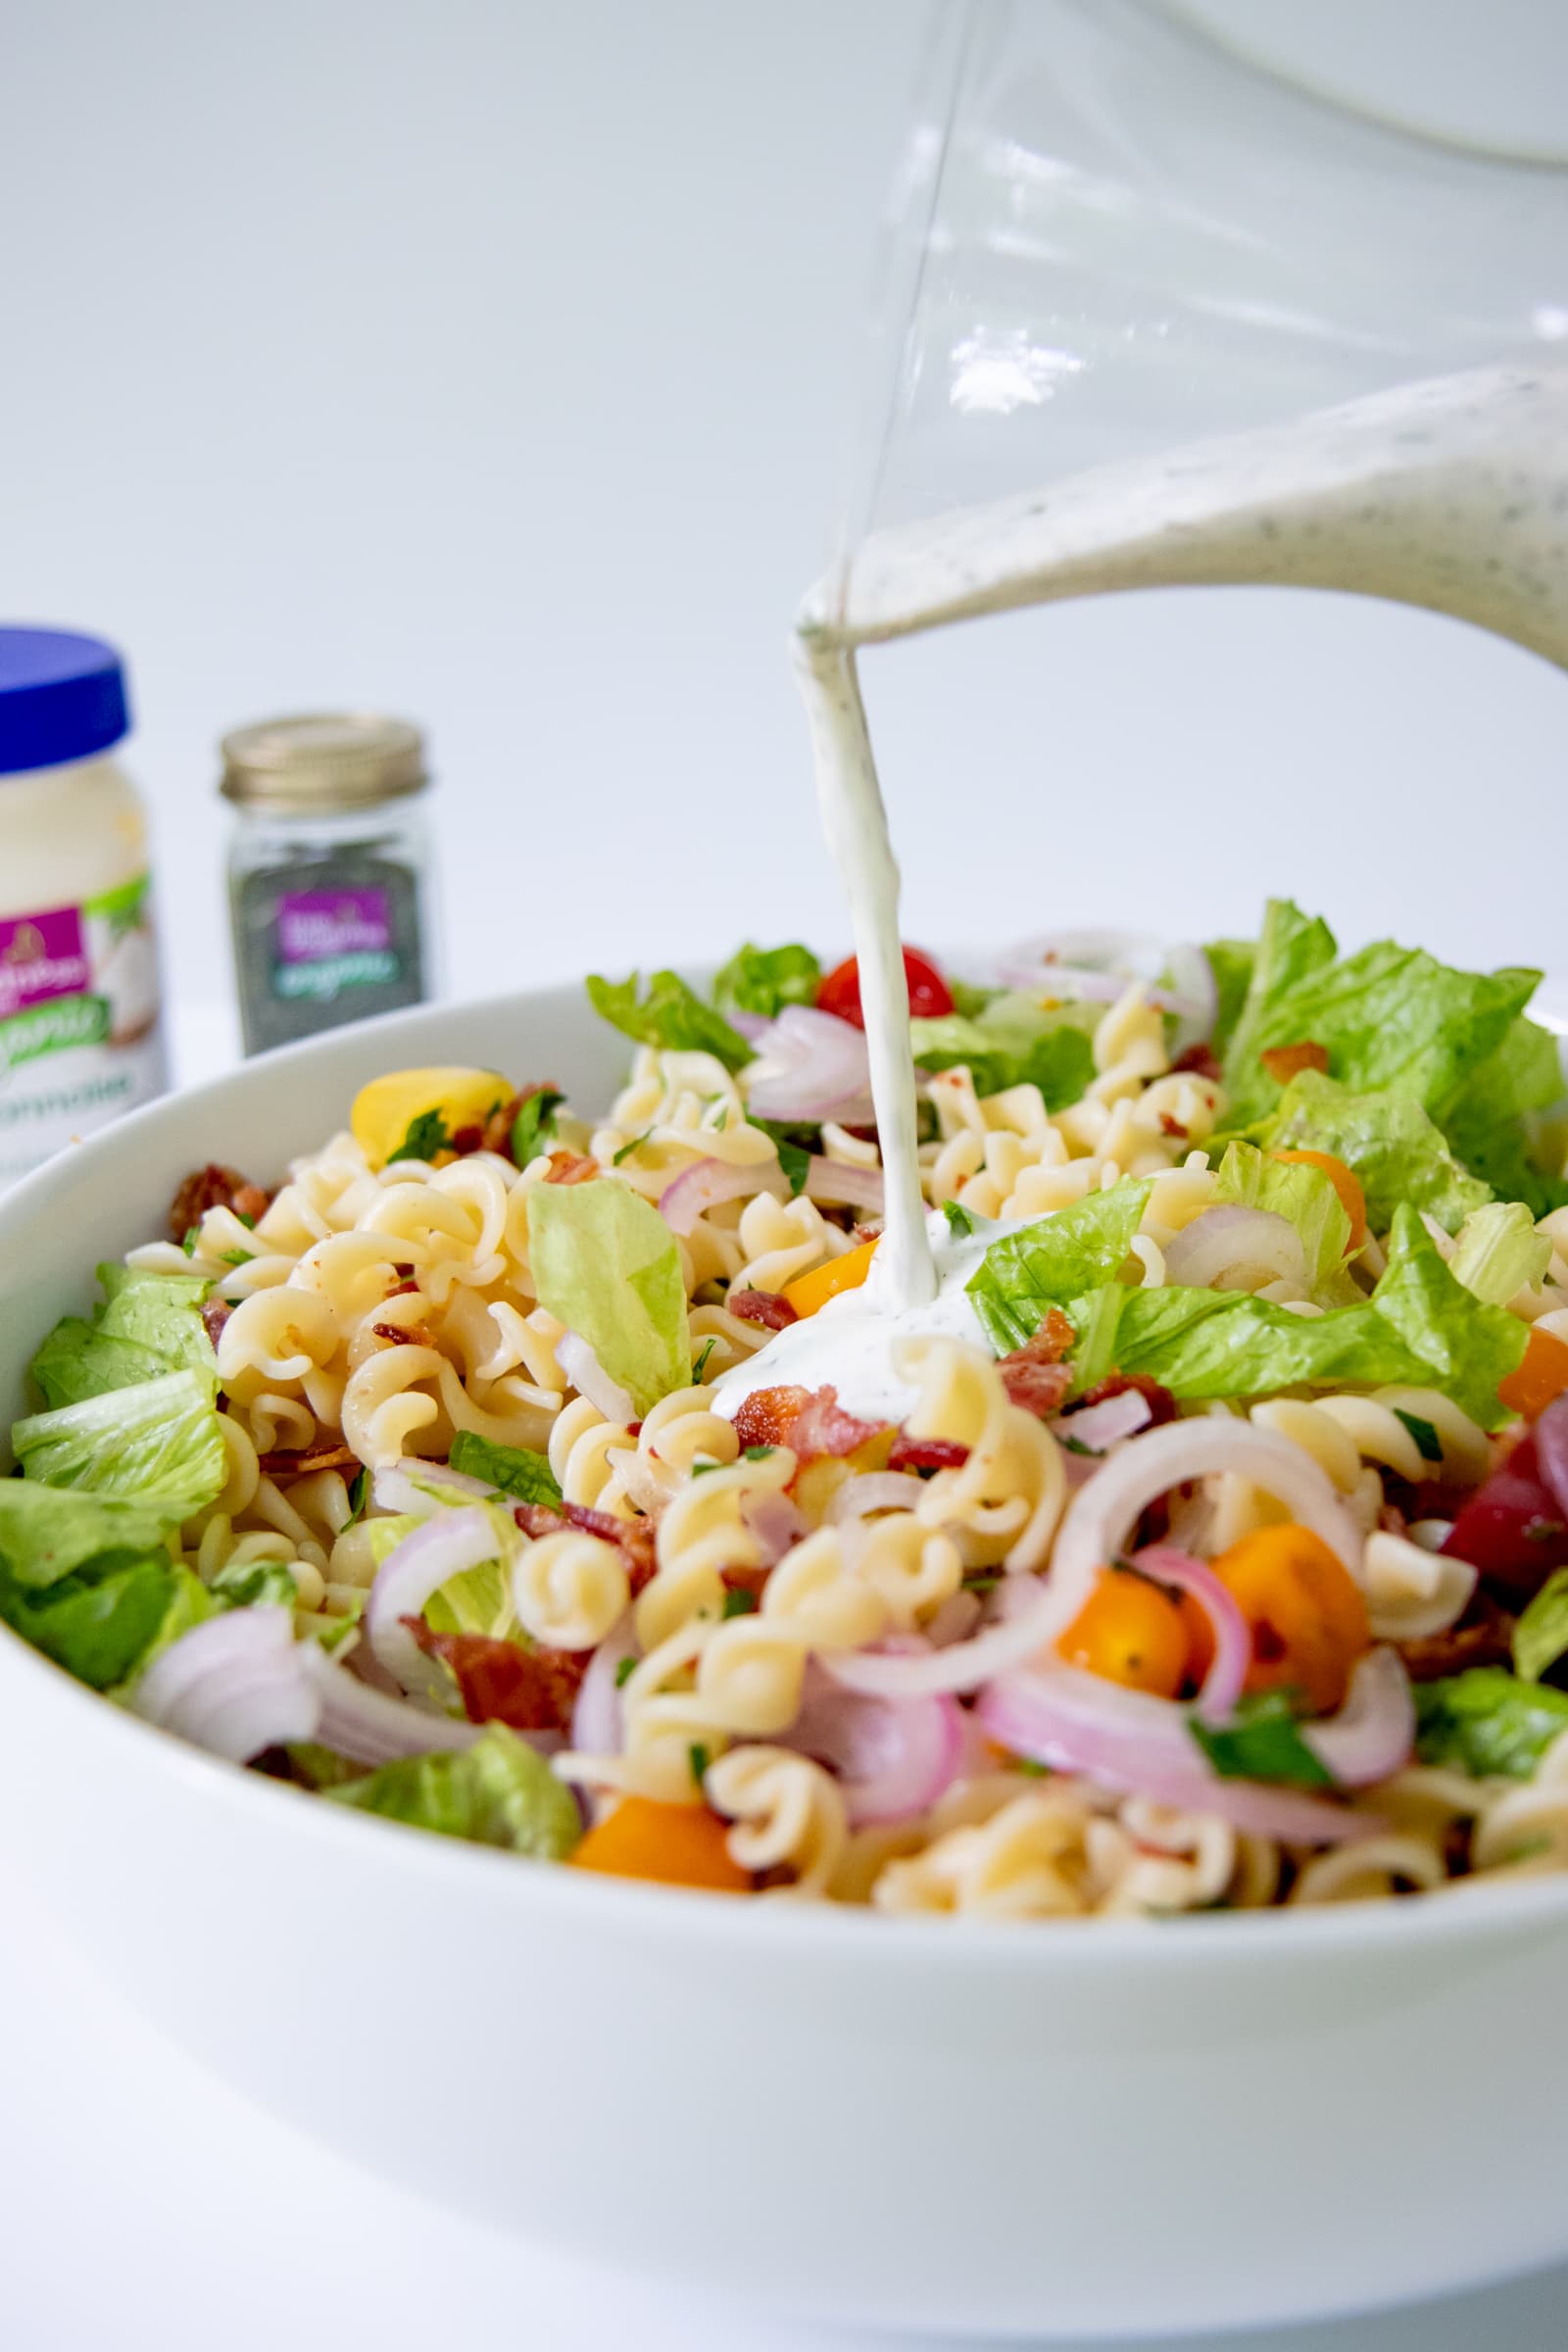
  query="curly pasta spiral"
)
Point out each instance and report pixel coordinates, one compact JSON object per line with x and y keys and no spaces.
{"x":1002,"y":1505}
{"x":788,"y":1814}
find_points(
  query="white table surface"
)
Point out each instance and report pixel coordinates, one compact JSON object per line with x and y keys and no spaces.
{"x":146,"y":2205}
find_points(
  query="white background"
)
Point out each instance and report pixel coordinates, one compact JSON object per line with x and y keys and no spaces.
{"x":487,"y":361}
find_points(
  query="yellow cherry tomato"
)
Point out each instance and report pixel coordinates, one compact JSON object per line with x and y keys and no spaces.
{"x":1542,"y":1375}
{"x":809,"y":1292}
{"x":1303,"y":1610}
{"x":677,"y":1845}
{"x":1128,"y":1631}
{"x":387,"y":1109}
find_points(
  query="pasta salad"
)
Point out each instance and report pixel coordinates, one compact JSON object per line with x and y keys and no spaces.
{"x":567,"y":1487}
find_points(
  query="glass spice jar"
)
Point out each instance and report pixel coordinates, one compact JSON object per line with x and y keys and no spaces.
{"x":328,"y":872}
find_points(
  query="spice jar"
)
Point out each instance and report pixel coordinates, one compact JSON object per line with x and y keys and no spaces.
{"x":80,"y":1037}
{"x":328,"y":872}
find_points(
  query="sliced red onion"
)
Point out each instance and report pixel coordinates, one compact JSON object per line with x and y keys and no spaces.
{"x":842,"y":1181}
{"x":1551,"y":1450}
{"x":1098,"y":965}
{"x":1374,"y":1731}
{"x":810,"y":1065}
{"x":775,"y":1521}
{"x":396,"y":1486}
{"x":597,"y":1726}
{"x":1233,"y":1642}
{"x":750,"y":1025}
{"x":1195,"y":986}
{"x":893,"y":1759}
{"x":241,"y":1682}
{"x":875,"y":1490}
{"x":1101,"y":1426}
{"x":589,"y":1378}
{"x":954,"y":1619}
{"x":1033,"y":1611}
{"x":1232,"y":1248}
{"x":428,"y":1557}
{"x":1140,"y":1746}
{"x":708,"y":1181}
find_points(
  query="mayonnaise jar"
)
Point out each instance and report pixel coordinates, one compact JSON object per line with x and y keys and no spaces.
{"x":80,"y":1035}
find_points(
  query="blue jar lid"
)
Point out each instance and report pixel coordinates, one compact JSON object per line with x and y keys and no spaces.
{"x":62,"y":696}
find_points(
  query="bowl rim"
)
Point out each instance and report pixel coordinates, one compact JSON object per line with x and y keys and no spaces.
{"x":1485,"y":1910}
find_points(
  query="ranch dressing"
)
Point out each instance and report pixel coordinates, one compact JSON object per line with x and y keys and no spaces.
{"x":1451,"y":494}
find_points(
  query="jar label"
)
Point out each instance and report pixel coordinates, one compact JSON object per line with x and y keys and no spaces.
{"x":330,"y":940}
{"x":79,"y":1021}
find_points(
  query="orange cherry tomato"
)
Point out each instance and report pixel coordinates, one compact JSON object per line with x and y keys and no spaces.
{"x":678,"y":1846}
{"x":808,"y":1292}
{"x":1543,"y":1374}
{"x":1345,"y":1183}
{"x":1130,"y":1631}
{"x":1303,"y":1610}
{"x":1199,"y":1638}
{"x":929,"y":994}
{"x":1285,"y":1062}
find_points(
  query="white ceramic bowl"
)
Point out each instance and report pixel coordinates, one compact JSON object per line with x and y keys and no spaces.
{"x":1080,"y":2129}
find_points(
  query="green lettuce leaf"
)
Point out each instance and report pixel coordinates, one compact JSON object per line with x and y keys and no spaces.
{"x":382,"y":1536}
{"x":1394,"y":1149}
{"x":158,"y":1440}
{"x":515,"y":1469}
{"x":77,"y":1361}
{"x":1304,"y":1198}
{"x":49,"y":1532}
{"x":1291,"y":947}
{"x":671,"y":1014}
{"x":254,"y":1584}
{"x":604,"y":1263}
{"x":101,"y":1621}
{"x":161,"y":1312}
{"x":1499,"y":1252}
{"x":500,"y":1791}
{"x":1493,"y":1127}
{"x":1488,"y":1722}
{"x":762,"y":980}
{"x":1078,"y":1247}
{"x":1231,"y":961}
{"x":1419,"y":1327}
{"x":1541,"y":1634}
{"x":1015,"y":1041}
{"x":970,"y":997}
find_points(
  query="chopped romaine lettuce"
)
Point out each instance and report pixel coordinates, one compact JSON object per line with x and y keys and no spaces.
{"x":1493,"y":1124}
{"x":1015,"y":1041}
{"x":102,"y":1620}
{"x":1419,"y":1327}
{"x":970,"y":997}
{"x":1540,"y":1636}
{"x":1386,"y":1139}
{"x":48,"y":1533}
{"x":1306,"y":1198}
{"x":158,"y":1440}
{"x":515,"y":1469}
{"x":1077,"y":1249}
{"x":1231,"y":961}
{"x":254,"y":1584}
{"x":1291,"y":947}
{"x":500,"y":1791}
{"x":148,"y":1324}
{"x":77,"y":1361}
{"x":763,"y":980}
{"x":1487,"y":1721}
{"x":671,"y":1014}
{"x":604,"y":1263}
{"x":1498,"y":1251}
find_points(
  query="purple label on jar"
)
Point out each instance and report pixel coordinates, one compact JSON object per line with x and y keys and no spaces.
{"x":40,"y":957}
{"x":316,"y":924}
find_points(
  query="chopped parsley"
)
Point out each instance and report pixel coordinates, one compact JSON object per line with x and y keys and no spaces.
{"x":189,"y":1239}
{"x":624,"y":1672}
{"x":701,"y":1365}
{"x":1428,"y":1444}
{"x":1262,"y":1742}
{"x":535,"y":1124}
{"x":739,"y":1601}
{"x":961,"y":1219}
{"x":699,"y":1759}
{"x":757,"y":1453}
{"x":427,"y":1135}
{"x":238,"y":1258}
{"x":626,"y":1150}
{"x":358,"y":1496}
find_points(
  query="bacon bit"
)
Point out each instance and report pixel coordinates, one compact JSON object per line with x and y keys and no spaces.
{"x":1285,"y":1062}
{"x":633,"y":1538}
{"x":1035,"y":1376}
{"x":570,"y":1167}
{"x":468,"y":1138}
{"x":214,"y":1314}
{"x":501,"y":1682}
{"x":404,"y":1335}
{"x":810,"y":1421}
{"x":1160,"y":1403}
{"x":927,"y":1453}
{"x":1170,"y":1126}
{"x":1200,"y":1061}
{"x":767,"y":1416}
{"x":299,"y":1462}
{"x":770,"y":1309}
{"x":215,"y":1187}
{"x":497,"y":1130}
{"x":400,"y":1290}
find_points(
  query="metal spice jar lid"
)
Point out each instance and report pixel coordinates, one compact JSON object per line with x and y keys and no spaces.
{"x":323,"y":760}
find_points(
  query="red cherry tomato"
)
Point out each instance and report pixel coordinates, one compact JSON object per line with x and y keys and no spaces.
{"x":1513,"y":1528}
{"x":929,"y":994}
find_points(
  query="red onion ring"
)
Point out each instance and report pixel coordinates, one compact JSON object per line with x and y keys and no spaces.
{"x":396,"y":1488}
{"x":1228,"y":1241}
{"x":893,"y":1759}
{"x":1233,"y":1642}
{"x":708,"y":1181}
{"x":808,"y":1065}
{"x":1098,"y":965}
{"x":597,"y":1728}
{"x":1101,"y":1426}
{"x":776,"y":1522}
{"x":589,"y":1378}
{"x":1374,"y":1731}
{"x":445,"y":1546}
{"x":1551,"y":1450}
{"x":1140,"y":1746}
{"x":840,"y":1179}
{"x":241,"y":1682}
